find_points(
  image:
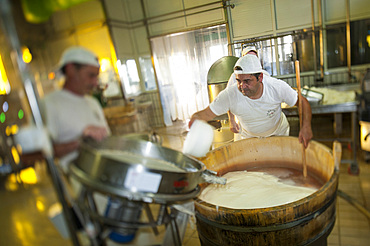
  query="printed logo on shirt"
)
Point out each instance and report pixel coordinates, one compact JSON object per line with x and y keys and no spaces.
{"x":271,"y":113}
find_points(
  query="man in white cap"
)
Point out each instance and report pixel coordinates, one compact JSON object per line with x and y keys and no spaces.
{"x":71,"y":113}
{"x":256,"y":101}
{"x":251,"y":50}
{"x":234,"y":126}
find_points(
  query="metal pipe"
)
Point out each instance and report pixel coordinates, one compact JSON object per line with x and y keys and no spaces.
{"x":276,"y":44}
{"x":348,"y":37}
{"x":229,"y":32}
{"x":150,"y":218}
{"x":254,"y":40}
{"x":175,"y":230}
{"x":321,"y":41}
{"x":313,"y":39}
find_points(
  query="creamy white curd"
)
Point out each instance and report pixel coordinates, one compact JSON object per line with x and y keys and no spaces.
{"x":249,"y":190}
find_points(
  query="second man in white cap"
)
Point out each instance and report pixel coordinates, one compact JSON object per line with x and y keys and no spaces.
{"x":72,"y":113}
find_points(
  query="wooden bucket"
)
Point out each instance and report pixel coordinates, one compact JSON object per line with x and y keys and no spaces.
{"x":307,"y":221}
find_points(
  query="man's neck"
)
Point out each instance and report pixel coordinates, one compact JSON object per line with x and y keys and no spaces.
{"x":70,"y":86}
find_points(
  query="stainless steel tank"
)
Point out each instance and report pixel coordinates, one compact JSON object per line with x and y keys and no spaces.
{"x":219,"y":74}
{"x":217,"y":78}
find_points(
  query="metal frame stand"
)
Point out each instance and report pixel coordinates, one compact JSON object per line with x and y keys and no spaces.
{"x":101,"y":226}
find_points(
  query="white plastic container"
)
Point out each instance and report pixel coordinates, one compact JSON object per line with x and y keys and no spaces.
{"x":199,"y":139}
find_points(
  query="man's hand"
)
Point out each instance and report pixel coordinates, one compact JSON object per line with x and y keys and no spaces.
{"x":305,"y":135}
{"x":97,"y":133}
{"x":234,"y":126}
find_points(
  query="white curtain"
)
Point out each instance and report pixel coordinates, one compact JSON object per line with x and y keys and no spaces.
{"x":182,"y":62}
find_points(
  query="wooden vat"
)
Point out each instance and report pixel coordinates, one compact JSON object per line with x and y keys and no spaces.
{"x":307,"y":221}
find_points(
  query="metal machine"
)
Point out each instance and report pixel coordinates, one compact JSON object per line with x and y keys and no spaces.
{"x":135,"y":175}
{"x":364,"y":115}
{"x":219,"y":74}
{"x":217,"y":79}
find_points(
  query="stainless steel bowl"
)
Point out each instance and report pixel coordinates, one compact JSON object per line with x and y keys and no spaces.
{"x":132,"y":177}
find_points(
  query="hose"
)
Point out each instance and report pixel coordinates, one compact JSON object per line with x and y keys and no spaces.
{"x":355,"y":203}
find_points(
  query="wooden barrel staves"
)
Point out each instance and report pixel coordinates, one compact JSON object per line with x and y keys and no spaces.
{"x":307,"y":221}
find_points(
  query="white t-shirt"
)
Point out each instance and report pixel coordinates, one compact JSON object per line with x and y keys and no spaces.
{"x":256,"y":115}
{"x":67,"y":115}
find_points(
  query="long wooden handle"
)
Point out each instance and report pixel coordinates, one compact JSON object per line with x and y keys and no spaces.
{"x":337,"y":153}
{"x":298,"y":78}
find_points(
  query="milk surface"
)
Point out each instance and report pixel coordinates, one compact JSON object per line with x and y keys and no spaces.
{"x":249,"y":190}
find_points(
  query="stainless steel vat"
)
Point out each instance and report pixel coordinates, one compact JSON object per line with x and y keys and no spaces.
{"x":219,"y":74}
{"x":134,"y":178}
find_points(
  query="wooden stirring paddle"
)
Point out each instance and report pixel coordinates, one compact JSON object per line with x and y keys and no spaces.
{"x":298,"y":78}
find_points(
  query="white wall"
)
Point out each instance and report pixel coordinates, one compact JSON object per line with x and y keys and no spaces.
{"x":253,"y":18}
{"x":82,"y":24}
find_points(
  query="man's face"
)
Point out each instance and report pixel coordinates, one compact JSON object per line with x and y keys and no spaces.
{"x":248,"y":84}
{"x":87,"y":78}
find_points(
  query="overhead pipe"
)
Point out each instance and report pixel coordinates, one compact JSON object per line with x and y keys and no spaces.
{"x":314,"y":39}
{"x":229,"y":32}
{"x":348,"y":37}
{"x":321,"y":41}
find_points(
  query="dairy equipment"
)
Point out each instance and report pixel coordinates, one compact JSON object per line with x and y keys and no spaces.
{"x":217,"y":79}
{"x":219,"y":74}
{"x":135,"y":175}
{"x":307,"y":221}
{"x":364,"y":115}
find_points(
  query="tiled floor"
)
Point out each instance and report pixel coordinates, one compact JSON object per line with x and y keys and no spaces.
{"x":24,"y":208}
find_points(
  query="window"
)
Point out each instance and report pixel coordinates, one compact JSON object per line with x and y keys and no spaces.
{"x":182,"y":62}
{"x":147,"y":72}
{"x":267,"y":56}
{"x":266,"y":53}
{"x":129,"y":76}
{"x":286,"y":57}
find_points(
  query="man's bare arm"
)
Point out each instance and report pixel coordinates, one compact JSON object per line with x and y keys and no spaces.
{"x":205,"y":114}
{"x":305,"y":133}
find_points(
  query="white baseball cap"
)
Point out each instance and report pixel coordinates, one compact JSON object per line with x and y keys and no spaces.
{"x":248,"y":64}
{"x":249,"y":48}
{"x":80,"y":55}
